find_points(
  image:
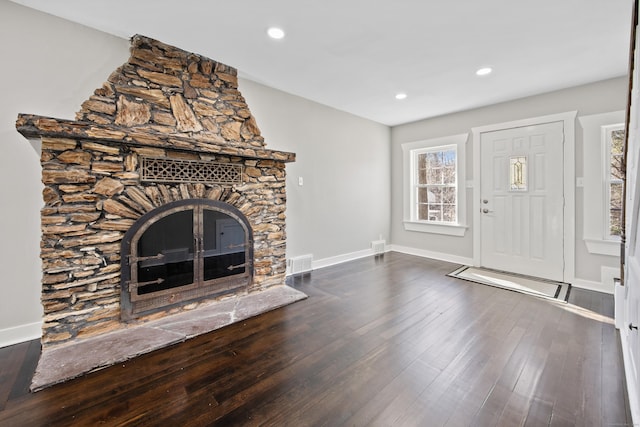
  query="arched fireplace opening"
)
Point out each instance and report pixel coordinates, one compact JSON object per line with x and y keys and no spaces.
{"x":184,"y":251}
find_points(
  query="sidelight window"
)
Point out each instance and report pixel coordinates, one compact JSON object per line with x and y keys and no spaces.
{"x":614,"y":174}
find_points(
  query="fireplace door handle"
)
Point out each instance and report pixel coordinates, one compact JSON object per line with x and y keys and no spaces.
{"x":135,"y":285}
{"x":199,"y":243}
{"x":133,"y":259}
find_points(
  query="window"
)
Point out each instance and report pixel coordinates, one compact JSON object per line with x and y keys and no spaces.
{"x":601,"y":187}
{"x":434,"y":185}
{"x":613,"y":143}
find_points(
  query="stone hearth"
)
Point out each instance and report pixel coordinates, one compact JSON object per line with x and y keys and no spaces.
{"x":182,"y":114}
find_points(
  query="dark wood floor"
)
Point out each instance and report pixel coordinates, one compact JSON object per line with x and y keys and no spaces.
{"x":387,"y":342}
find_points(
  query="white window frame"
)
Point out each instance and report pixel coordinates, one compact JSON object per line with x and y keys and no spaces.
{"x":595,"y":209}
{"x":606,"y":179}
{"x":410,"y":150}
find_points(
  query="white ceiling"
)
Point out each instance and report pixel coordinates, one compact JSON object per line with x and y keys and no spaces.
{"x":355,"y":55}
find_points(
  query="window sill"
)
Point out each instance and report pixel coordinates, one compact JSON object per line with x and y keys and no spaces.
{"x":603,"y":247}
{"x":447,"y":229}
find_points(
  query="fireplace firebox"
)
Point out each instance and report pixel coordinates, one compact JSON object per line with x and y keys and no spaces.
{"x":184,"y":251}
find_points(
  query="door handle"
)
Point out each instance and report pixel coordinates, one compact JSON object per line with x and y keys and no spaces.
{"x":632,"y":327}
{"x":485,"y":210}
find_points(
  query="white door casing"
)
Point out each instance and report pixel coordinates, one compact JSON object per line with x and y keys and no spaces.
{"x":522,"y":226}
{"x":628,"y":307}
{"x":567,"y":184}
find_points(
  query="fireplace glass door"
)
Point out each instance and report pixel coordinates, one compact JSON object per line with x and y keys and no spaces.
{"x":187,"y":252}
{"x":223,"y":245}
{"x":166,"y":254}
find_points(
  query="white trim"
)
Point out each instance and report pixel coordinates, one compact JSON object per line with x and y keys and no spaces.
{"x":352,"y":256}
{"x":618,"y":304}
{"x":603,"y":247}
{"x":632,"y":391}
{"x":460,"y":142}
{"x":593,"y":286}
{"x":426,"y":227}
{"x":568,"y":119}
{"x":606,"y":132}
{"x":20,"y":333}
{"x":609,"y":275}
{"x":339,"y":259}
{"x":440,"y":256}
{"x":632,"y":272}
{"x":595,"y":211}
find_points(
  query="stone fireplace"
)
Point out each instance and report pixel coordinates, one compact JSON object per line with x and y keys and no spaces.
{"x":160,"y":199}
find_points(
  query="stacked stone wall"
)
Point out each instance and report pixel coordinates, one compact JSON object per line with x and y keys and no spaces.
{"x":93,"y":194}
{"x":163,"y":103}
{"x":165,"y":90}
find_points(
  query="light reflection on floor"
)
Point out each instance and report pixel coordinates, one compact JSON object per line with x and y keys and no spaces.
{"x":587,"y":314}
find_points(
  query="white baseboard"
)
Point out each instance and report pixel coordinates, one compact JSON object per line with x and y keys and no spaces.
{"x":619,"y":304}
{"x":455,"y":259}
{"x":21,"y":333}
{"x":593,"y":286}
{"x":632,"y":389}
{"x":339,"y":259}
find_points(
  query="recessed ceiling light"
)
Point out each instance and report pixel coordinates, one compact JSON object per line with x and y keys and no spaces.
{"x":401,"y":95}
{"x":484,"y":71}
{"x":275,"y":33}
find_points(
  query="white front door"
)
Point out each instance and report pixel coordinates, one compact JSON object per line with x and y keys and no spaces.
{"x":522,"y":200}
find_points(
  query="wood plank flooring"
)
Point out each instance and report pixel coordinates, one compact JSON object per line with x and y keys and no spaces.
{"x":379,"y":342}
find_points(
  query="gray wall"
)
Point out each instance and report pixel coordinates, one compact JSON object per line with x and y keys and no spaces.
{"x":50,"y":66}
{"x":343,"y":160}
{"x":352,"y":190}
{"x":605,"y":96}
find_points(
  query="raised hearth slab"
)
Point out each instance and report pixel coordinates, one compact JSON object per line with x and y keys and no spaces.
{"x":82,"y":356}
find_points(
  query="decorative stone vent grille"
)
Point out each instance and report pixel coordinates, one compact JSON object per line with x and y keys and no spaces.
{"x":154,"y":169}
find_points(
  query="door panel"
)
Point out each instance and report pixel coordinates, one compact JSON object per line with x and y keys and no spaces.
{"x":522,"y":200}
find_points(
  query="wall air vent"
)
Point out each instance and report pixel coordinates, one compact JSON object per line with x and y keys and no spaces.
{"x":378,"y":247}
{"x":156,"y":169}
{"x":300,"y":264}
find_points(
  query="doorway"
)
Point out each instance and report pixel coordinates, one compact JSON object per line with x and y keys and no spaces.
{"x":524,"y":197}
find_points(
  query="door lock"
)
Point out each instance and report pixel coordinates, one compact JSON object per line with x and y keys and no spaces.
{"x":485,"y":201}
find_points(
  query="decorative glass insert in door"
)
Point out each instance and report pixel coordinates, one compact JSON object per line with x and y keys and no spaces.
{"x":518,"y":173}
